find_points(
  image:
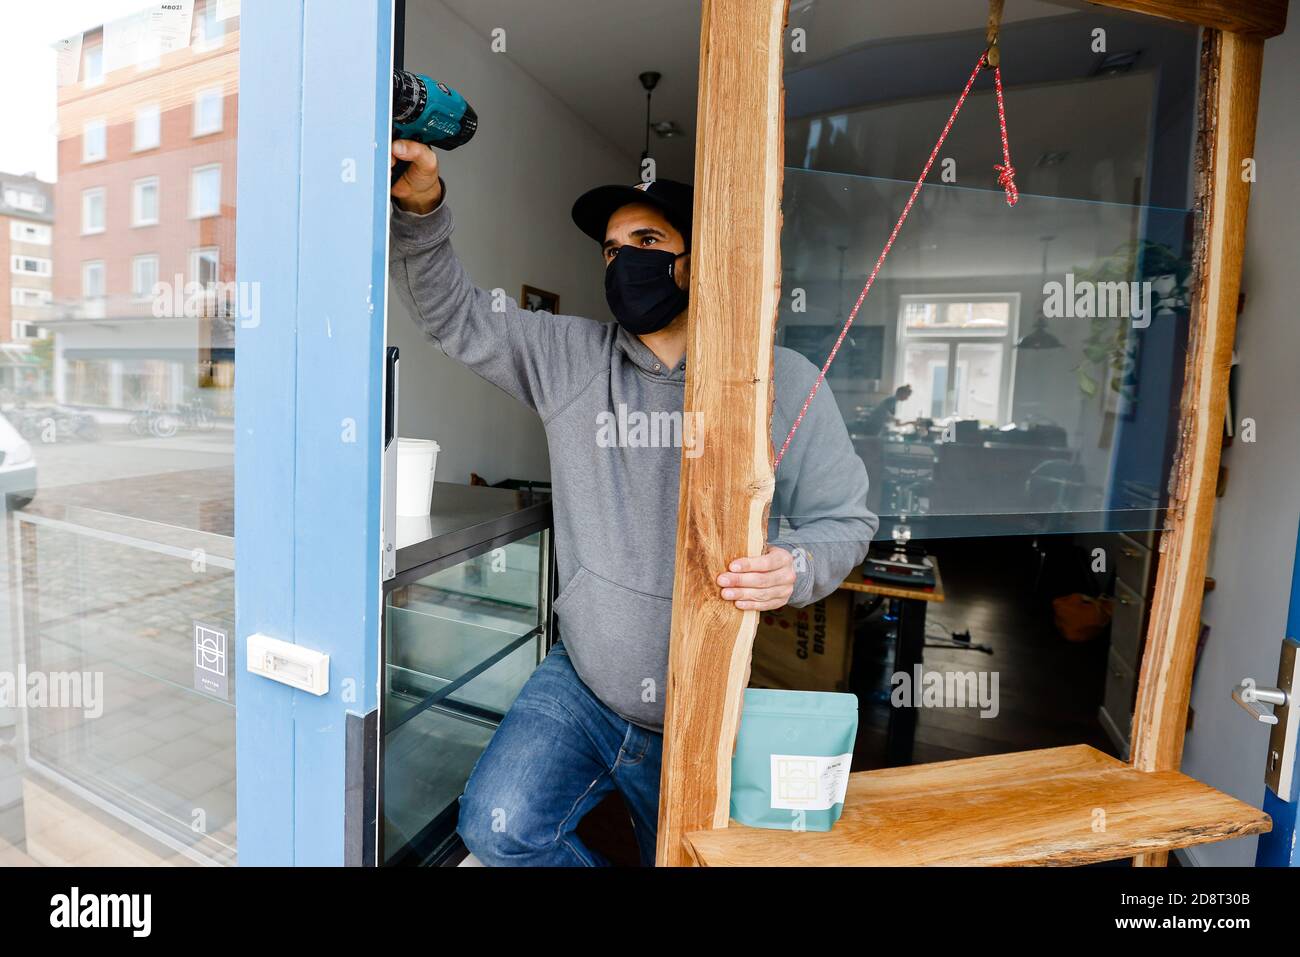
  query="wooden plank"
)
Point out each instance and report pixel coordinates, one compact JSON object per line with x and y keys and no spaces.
{"x":1231,"y":73}
{"x":725,"y":491}
{"x":1260,"y":18}
{"x":1058,"y":806}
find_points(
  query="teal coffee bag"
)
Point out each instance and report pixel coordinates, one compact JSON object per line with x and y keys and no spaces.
{"x":791,"y":766}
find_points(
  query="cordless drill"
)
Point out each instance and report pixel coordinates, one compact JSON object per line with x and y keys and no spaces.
{"x":429,"y":112}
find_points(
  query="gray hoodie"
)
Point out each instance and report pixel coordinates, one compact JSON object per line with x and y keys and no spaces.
{"x":614,"y":422}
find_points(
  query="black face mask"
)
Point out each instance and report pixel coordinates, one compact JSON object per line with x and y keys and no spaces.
{"x":641,"y":290}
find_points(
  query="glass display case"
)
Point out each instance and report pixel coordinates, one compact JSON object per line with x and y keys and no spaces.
{"x":466,"y":620}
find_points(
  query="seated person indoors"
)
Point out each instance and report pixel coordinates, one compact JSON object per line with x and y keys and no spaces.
{"x":590,"y":718}
{"x":885,"y":413}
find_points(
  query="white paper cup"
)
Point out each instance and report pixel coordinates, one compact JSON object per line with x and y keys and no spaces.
{"x":416,"y":461}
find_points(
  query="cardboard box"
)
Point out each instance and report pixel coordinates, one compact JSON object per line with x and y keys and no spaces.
{"x":805,"y":649}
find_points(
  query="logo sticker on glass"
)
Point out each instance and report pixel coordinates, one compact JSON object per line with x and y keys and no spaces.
{"x":211,"y":671}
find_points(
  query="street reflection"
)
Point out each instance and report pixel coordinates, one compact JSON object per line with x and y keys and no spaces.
{"x":117,"y":365}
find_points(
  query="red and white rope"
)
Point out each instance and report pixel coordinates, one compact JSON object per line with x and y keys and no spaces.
{"x":1006,"y":179}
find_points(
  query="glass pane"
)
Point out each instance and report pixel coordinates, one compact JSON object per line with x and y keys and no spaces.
{"x":1048,"y":336}
{"x":116,"y":438}
{"x":979,"y":382}
{"x":990,"y":317}
{"x":460,"y":645}
{"x":925,"y":369}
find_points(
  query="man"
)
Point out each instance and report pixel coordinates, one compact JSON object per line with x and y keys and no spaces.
{"x":886,"y":412}
{"x":590,"y":718}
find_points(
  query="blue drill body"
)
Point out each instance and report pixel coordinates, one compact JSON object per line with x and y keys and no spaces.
{"x":430,"y":112}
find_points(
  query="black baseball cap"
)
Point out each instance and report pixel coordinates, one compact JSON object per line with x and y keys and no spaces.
{"x":675,"y":200}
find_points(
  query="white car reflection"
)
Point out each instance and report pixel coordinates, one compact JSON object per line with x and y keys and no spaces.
{"x":17,"y":467}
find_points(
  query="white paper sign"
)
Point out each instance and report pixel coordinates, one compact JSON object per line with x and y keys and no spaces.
{"x":144,"y":36}
{"x":171,"y":23}
{"x":122,"y":41}
{"x":68,"y":52}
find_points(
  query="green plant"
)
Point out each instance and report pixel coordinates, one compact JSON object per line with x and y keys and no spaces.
{"x":1109,"y":350}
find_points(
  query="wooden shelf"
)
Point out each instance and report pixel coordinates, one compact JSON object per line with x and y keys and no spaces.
{"x":1028,"y":808}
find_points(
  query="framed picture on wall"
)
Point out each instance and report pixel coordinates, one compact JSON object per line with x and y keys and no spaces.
{"x":534,"y":299}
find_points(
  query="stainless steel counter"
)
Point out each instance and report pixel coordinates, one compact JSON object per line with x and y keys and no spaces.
{"x":465,"y":517}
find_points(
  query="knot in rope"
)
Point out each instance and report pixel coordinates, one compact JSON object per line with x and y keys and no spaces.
{"x":1007,"y":180}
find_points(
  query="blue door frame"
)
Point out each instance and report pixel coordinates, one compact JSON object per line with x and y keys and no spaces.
{"x":1278,"y":847}
{"x":312,"y":201}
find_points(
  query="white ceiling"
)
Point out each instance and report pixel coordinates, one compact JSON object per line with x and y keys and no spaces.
{"x":589,"y":52}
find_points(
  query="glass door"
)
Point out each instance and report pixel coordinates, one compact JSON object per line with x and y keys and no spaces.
{"x":117,"y":437}
{"x":165,"y":379}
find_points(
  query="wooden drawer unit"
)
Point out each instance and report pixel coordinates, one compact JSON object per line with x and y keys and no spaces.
{"x":1132,"y":563}
{"x":1117,"y":699}
{"x":1126,"y":624}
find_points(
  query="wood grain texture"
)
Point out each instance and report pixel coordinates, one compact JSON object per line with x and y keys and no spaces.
{"x":1231,"y":74}
{"x":1261,"y":18}
{"x":1230,"y":71}
{"x":1058,"y":806}
{"x":727,"y":490}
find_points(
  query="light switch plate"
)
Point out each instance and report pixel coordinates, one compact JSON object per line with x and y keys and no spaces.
{"x":290,"y":664}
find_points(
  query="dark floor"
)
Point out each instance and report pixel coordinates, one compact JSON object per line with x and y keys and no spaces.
{"x":1049,"y":689}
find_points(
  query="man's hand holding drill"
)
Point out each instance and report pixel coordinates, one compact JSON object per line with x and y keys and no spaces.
{"x":419,"y":190}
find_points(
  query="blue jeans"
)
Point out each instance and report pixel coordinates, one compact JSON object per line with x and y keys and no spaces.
{"x":558,"y":751}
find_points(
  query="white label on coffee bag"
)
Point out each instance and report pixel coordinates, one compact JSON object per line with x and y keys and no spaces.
{"x":801,"y":782}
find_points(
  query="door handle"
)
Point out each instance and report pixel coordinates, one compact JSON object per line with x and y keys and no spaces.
{"x":1279,"y":770}
{"x":1246,"y":694}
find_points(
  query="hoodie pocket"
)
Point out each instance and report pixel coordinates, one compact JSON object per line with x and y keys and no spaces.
{"x":617,"y":638}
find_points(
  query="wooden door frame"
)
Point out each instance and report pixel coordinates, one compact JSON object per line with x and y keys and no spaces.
{"x":726,"y":491}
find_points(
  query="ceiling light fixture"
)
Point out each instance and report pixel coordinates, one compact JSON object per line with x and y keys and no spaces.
{"x":649,"y":80}
{"x":1040,"y":337}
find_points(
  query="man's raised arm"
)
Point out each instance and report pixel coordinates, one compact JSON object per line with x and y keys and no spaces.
{"x":539,"y":358}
